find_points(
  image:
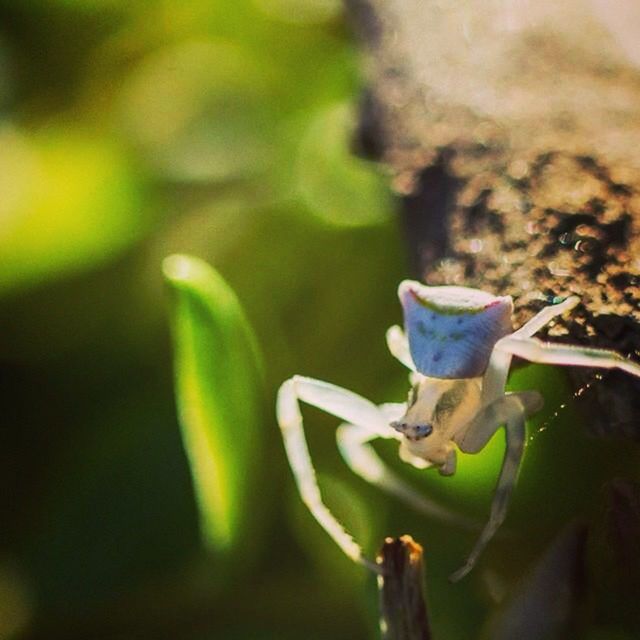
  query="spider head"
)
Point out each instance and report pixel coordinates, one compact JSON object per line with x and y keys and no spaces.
{"x":424,"y":432}
{"x":436,"y":410}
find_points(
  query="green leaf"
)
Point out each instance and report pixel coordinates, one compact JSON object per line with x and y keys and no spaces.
{"x":218,"y":382}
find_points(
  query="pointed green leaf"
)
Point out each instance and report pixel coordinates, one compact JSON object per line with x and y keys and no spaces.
{"x":218,"y":384}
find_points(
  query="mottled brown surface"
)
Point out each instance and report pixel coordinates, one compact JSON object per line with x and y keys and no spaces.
{"x":549,"y":226}
{"x":538,"y":215}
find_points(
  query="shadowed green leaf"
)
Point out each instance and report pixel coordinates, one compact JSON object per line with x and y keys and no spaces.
{"x":218,"y":383}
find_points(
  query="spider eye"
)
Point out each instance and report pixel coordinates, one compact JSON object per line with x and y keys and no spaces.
{"x":423,"y":430}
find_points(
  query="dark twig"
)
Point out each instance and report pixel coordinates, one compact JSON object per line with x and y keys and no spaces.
{"x":545,"y":604}
{"x":402,"y":605}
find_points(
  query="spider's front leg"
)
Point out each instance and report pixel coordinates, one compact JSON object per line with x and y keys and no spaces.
{"x":338,"y":402}
{"x":495,"y":377}
{"x":366,"y":422}
{"x":544,"y":316}
{"x":521,"y":343}
{"x":541,"y":352}
{"x":511,"y":410}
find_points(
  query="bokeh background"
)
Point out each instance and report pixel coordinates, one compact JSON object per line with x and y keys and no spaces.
{"x":220,"y":128}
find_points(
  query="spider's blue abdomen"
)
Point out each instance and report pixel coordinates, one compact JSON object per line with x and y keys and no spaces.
{"x":452,"y":330}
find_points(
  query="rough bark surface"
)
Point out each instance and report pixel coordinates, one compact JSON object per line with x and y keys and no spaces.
{"x":514,"y":204}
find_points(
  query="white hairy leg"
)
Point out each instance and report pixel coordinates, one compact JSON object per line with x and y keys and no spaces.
{"x":535,"y":350}
{"x":510,"y":410}
{"x":399,"y":346}
{"x":489,"y":419}
{"x":495,"y":377}
{"x":355,"y":447}
{"x":544,"y":316}
{"x":343,"y":404}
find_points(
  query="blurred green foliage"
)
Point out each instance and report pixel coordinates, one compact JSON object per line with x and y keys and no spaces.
{"x":135,"y":130}
{"x":69,"y":200}
{"x":218,"y":371}
{"x":131,"y":131}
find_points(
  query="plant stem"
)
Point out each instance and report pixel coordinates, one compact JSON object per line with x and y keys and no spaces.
{"x":402,"y":605}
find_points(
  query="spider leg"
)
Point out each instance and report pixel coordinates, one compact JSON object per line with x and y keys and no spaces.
{"x":535,"y":350}
{"x":399,"y":346}
{"x":545,"y":316}
{"x":353,"y":442}
{"x":489,"y":419}
{"x":343,"y":404}
{"x":510,"y":410}
{"x":495,"y":377}
{"x":450,"y":465}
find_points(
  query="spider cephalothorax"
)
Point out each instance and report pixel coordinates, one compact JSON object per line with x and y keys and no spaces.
{"x":458,"y":343}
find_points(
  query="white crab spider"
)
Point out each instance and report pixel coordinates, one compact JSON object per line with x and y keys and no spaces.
{"x":458,"y":345}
